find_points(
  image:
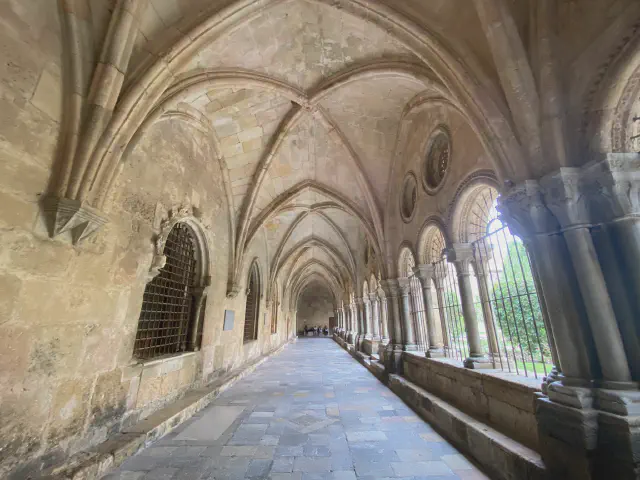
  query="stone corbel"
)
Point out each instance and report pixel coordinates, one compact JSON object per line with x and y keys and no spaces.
{"x":66,"y":215}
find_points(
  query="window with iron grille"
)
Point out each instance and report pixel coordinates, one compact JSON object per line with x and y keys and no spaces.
{"x":168,"y":305}
{"x":253,"y":303}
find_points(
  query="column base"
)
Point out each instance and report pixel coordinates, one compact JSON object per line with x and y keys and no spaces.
{"x":410,"y":348}
{"x":478,"y":363}
{"x":393,"y":359}
{"x":568,"y":439}
{"x":434,"y":353}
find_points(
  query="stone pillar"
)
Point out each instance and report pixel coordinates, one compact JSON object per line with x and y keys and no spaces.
{"x":359,"y":317}
{"x":375,"y":316}
{"x":353,"y":327}
{"x":393,"y":352}
{"x":425,"y":274}
{"x":384,"y":316}
{"x":588,"y":422}
{"x":408,"y":335}
{"x":489,"y":321}
{"x":439,"y":284}
{"x":461,"y":255}
{"x":366,"y":310}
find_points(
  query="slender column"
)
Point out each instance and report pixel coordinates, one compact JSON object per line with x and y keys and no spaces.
{"x":393,"y":354}
{"x":438,"y":281}
{"x":461,"y":255}
{"x":425,"y":274}
{"x":352,"y":324}
{"x":368,"y":330}
{"x":489,"y":321}
{"x":408,"y":335}
{"x":375,"y":316}
{"x":567,"y":201}
{"x":384,"y":316}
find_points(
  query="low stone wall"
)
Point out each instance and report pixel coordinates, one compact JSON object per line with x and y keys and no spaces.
{"x":506,"y":405}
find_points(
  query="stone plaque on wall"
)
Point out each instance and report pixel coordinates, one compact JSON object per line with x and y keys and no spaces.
{"x":229,"y":315}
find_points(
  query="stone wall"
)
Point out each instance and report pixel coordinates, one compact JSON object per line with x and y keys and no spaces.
{"x":69,"y":314}
{"x":314,"y":308}
{"x":506,"y":405}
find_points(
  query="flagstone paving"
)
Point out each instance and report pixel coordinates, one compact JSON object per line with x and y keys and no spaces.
{"x":310,"y":413}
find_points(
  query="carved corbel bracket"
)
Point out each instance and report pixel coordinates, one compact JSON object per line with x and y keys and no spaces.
{"x":64,"y":215}
{"x":233,"y":289}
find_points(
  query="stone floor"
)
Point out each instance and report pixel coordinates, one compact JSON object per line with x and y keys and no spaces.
{"x":311,"y":412}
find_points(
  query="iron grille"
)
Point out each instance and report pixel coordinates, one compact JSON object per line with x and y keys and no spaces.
{"x":520,"y":336}
{"x":455,"y":335}
{"x":251,"y":311}
{"x":167,"y":303}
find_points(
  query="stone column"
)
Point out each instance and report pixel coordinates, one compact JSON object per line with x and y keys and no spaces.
{"x":353,"y":327}
{"x":408,"y":335}
{"x":438,"y":281}
{"x":481,"y":275}
{"x":375,"y":316}
{"x":565,"y":197}
{"x":384,"y":316}
{"x":425,"y":274}
{"x":368,"y":330}
{"x":585,"y":433}
{"x":461,"y":255}
{"x":393,"y":352}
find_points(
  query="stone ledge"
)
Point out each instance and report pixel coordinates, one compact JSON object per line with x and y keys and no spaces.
{"x":110,"y":454}
{"x":499,"y":455}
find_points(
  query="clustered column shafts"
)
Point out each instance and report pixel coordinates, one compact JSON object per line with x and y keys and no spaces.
{"x":578,"y":225}
{"x":384,"y":316}
{"x":375,"y":314}
{"x":462,"y":255}
{"x":408,"y":335}
{"x":425,"y":275}
{"x":368,"y":330}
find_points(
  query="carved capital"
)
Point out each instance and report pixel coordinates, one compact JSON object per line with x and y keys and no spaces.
{"x":563,"y":195}
{"x":66,"y":215}
{"x":425,"y":273}
{"x":612,"y":187}
{"x":390,"y":288}
{"x":523,"y":208}
{"x":373,"y":297}
{"x":461,"y":255}
{"x":405,"y":286}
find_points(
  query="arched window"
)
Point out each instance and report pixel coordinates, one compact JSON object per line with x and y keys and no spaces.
{"x":167,"y":323}
{"x":506,"y":296}
{"x":253,"y":305}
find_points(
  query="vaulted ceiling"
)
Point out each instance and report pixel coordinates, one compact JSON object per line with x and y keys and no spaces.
{"x":304,"y":100}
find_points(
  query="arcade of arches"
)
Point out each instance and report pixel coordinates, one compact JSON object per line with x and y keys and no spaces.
{"x":452,"y":186}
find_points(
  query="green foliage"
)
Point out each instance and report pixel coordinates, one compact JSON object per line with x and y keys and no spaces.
{"x":517,"y":308}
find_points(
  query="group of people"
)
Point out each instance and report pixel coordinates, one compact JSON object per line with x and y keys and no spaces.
{"x":316,"y":331}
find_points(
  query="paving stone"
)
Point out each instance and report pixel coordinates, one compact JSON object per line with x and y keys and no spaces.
{"x":278,"y":424}
{"x":405,"y":469}
{"x":311,"y":465}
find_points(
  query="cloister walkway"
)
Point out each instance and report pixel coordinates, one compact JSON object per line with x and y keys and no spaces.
{"x":311,"y":412}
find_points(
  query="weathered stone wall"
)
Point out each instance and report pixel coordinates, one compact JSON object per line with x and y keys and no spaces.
{"x":314,"y":308}
{"x":506,"y":405}
{"x":69,"y":314}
